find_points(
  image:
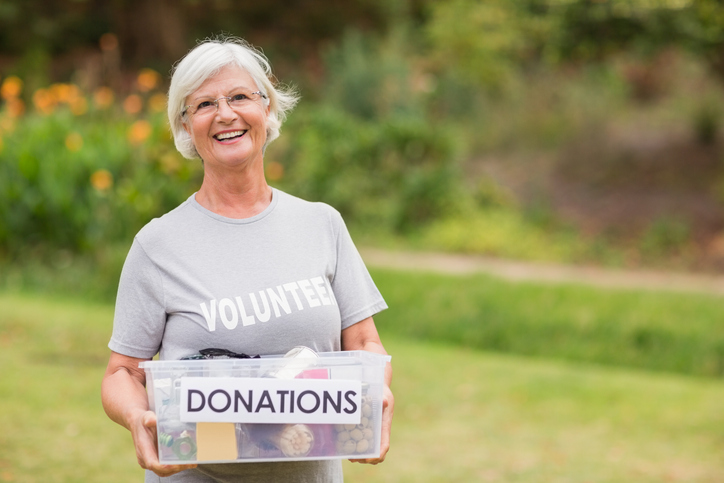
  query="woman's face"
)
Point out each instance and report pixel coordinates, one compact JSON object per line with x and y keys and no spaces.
{"x":228,"y":137}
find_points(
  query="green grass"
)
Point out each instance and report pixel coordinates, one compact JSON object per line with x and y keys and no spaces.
{"x":53,"y":355}
{"x":677,"y":332}
{"x":464,"y":416}
{"x":461,"y":415}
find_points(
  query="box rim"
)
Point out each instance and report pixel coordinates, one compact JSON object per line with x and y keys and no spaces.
{"x":325,"y":358}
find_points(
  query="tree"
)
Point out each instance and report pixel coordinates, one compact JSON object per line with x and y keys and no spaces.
{"x":160,"y":31}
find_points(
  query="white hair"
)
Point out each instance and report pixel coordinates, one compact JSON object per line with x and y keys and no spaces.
{"x":205,"y":61}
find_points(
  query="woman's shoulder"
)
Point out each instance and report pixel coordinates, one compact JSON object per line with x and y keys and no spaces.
{"x":168,"y":223}
{"x":301,"y":207}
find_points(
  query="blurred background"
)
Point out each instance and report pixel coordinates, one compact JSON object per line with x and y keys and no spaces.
{"x":573,"y":132}
{"x":560,"y":130}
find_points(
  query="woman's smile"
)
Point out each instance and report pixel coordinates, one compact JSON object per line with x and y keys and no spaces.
{"x":227,"y":137}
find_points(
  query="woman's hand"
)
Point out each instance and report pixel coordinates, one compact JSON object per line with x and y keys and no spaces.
{"x":143,"y":430}
{"x":125,"y":401}
{"x":363,"y":336}
{"x":388,"y":407}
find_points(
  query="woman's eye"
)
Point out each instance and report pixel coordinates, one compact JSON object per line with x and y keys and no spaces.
{"x":238,"y":97}
{"x":204,"y":104}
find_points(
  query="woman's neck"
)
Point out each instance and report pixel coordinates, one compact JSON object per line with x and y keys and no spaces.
{"x":234,"y":196}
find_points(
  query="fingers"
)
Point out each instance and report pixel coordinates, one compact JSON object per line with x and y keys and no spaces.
{"x":168,"y":470}
{"x":369,"y":461}
{"x":388,"y":409}
{"x":149,"y":420}
{"x":388,"y":405}
{"x":144,"y":438}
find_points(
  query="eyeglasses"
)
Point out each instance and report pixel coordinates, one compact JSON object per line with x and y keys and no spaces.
{"x":207,"y":107}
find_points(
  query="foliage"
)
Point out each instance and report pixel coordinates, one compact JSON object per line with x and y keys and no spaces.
{"x":382,"y":135}
{"x":369,"y":147}
{"x":664,"y":235}
{"x":373,"y":78}
{"x":594,"y":30}
{"x":149,"y":32}
{"x":77,"y":175}
{"x":589,"y":30}
{"x":397,"y":173}
{"x":491,"y":42}
{"x":487,"y":42}
{"x":505,"y":233}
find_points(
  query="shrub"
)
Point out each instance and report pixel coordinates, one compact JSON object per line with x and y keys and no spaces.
{"x":398,"y":172}
{"x":75,"y":177}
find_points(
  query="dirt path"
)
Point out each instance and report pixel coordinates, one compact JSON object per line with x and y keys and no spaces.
{"x":522,"y":271}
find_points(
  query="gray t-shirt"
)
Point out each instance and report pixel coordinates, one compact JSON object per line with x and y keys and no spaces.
{"x":288,"y":276}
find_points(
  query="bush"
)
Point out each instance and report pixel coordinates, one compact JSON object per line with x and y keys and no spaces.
{"x":76,"y":178}
{"x":79,"y":171}
{"x":371,"y":146}
{"x":397,"y":173}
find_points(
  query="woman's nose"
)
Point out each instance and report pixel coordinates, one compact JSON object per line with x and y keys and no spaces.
{"x":224,"y":110}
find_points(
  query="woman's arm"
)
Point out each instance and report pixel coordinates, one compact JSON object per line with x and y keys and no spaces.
{"x":123,"y":393}
{"x":363,"y":336}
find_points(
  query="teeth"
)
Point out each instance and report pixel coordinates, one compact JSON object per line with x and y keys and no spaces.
{"x":227,"y":135}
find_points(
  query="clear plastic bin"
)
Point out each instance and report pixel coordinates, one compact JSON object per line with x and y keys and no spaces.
{"x":268,"y":409}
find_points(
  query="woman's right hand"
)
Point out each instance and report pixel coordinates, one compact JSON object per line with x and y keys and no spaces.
{"x":143,"y":431}
{"x":123,"y":393}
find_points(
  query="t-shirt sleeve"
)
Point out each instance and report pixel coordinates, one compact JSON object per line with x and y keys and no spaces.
{"x":355,"y":291}
{"x":140,"y":314}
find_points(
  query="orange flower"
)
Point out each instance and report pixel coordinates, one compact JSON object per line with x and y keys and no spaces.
{"x":133,"y":104}
{"x":274,"y":171}
{"x":11,"y":87}
{"x":139,"y":132}
{"x":147,"y":80}
{"x":74,"y":142}
{"x":44,"y":101}
{"x":101,"y":180}
{"x":157,"y":102}
{"x":60,"y":92}
{"x":103,"y":97}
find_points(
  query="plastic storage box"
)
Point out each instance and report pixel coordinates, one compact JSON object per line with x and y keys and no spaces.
{"x":272,"y":408}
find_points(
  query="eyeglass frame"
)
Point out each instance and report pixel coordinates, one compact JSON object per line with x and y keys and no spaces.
{"x":216,"y":103}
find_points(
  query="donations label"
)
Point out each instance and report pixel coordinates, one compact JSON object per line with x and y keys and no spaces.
{"x":259,"y":400}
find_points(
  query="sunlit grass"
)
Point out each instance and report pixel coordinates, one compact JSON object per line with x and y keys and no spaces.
{"x":466,"y":416}
{"x":53,"y":355}
{"x":679,"y":332}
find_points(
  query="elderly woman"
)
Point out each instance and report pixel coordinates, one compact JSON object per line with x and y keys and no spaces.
{"x":204,"y":274}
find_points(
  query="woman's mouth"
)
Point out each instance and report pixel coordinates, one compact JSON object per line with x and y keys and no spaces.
{"x":225,"y":136}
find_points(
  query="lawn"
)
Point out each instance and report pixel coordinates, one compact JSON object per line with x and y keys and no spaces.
{"x":667,"y":331}
{"x":462,"y":414}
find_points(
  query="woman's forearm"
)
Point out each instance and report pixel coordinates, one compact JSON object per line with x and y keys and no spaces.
{"x":123,"y":391}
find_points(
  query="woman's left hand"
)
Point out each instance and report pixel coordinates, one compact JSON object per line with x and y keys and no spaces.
{"x":388,"y":408}
{"x":363,"y":336}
